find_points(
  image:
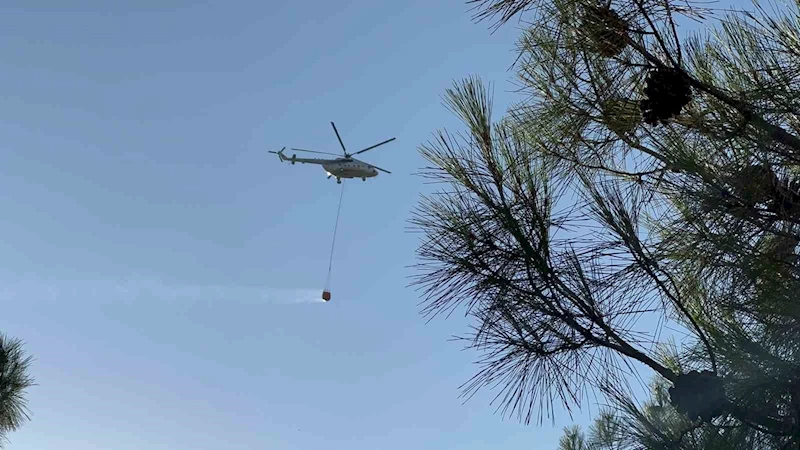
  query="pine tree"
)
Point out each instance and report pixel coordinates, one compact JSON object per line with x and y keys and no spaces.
{"x":14,"y":380}
{"x":645,"y":175}
{"x":657,"y":425}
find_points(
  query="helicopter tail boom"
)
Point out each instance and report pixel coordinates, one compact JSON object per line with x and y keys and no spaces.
{"x":293,"y":159}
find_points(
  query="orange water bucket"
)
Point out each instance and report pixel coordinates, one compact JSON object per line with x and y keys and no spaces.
{"x":326,"y":295}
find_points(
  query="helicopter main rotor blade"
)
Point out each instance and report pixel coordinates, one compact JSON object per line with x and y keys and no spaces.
{"x":382,"y":170}
{"x":340,"y":140}
{"x":376,"y":145}
{"x":314,"y":151}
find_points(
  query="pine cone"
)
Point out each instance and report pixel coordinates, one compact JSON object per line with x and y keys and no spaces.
{"x":698,"y":394}
{"x":755,"y":184}
{"x":786,"y":198}
{"x":606,"y":29}
{"x":667,"y":91}
{"x":621,"y":115}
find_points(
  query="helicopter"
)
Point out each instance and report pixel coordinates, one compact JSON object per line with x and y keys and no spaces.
{"x":343,"y":166}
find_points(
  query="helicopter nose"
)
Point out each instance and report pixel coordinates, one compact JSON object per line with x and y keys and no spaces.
{"x":374,"y":172}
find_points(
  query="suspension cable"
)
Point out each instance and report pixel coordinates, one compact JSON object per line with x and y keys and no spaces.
{"x":333,"y":244}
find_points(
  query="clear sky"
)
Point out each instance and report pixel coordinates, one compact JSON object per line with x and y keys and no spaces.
{"x":152,"y":247}
{"x":162,"y":267}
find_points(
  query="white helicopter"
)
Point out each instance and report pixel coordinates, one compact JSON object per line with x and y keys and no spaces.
{"x":341,"y":167}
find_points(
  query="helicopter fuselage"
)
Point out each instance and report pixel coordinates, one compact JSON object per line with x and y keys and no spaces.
{"x":349,"y":168}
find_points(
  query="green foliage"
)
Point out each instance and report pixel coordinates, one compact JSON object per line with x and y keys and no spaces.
{"x":566,"y":222}
{"x":656,"y":425}
{"x":14,"y":380}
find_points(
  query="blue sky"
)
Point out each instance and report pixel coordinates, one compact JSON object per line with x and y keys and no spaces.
{"x":151,"y":243}
{"x":157,"y":260}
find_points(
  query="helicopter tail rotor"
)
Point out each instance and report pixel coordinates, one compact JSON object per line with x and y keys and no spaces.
{"x":279,"y":153}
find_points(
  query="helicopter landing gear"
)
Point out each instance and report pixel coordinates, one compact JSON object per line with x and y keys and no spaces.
{"x":363,"y":178}
{"x":338,"y":180}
